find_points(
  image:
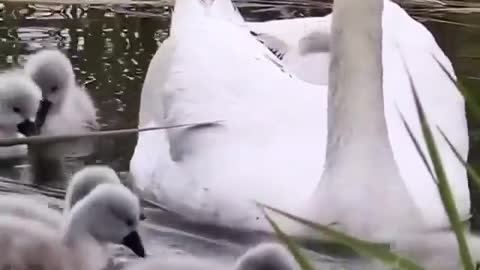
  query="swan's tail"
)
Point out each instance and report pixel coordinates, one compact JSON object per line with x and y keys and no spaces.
{"x":225,"y":10}
{"x":186,"y":12}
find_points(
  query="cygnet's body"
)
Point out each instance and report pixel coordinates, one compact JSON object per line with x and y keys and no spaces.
{"x":66,"y":107}
{"x":25,"y":206}
{"x":267,"y":256}
{"x":261,"y":257}
{"x":108,"y":214}
{"x":19,"y":103}
{"x":29,"y":244}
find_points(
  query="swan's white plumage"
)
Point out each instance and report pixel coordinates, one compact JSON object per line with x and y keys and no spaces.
{"x":247,"y":105}
{"x":404,"y":41}
{"x":423,"y":58}
{"x":271,"y":147}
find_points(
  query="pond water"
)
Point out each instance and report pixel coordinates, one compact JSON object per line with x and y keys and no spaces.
{"x":111,"y":45}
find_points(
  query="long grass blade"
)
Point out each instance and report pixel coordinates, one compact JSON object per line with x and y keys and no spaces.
{"x":417,"y":145}
{"x":93,"y":134}
{"x":365,"y":248}
{"x":443,"y":184}
{"x":289,"y":243}
{"x":472,"y":106}
{"x":470,"y":170}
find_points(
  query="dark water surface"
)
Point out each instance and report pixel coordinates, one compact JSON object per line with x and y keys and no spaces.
{"x":111,"y":45}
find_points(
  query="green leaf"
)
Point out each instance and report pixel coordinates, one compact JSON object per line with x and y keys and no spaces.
{"x":365,"y":248}
{"x":417,"y":145}
{"x":290,"y":244}
{"x":442,"y":181}
{"x":470,"y":170}
{"x":472,"y":106}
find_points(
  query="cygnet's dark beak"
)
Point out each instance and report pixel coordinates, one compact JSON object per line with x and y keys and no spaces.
{"x":134,"y":243}
{"x":27,"y":128}
{"x":142,"y":216}
{"x":42,"y":113}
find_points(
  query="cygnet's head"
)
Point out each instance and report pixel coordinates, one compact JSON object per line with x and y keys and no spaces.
{"x":110,"y":213}
{"x":86,"y":180}
{"x":266,"y":256}
{"x":19,"y":102}
{"x":52,"y":71}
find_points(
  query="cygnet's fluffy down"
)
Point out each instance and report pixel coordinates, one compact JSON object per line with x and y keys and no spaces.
{"x":268,"y":256}
{"x":66,"y":108}
{"x":85,"y":180}
{"x":261,"y":257}
{"x":19,"y":103}
{"x":108,"y":214}
{"x":24,"y":206}
{"x":29,"y":244}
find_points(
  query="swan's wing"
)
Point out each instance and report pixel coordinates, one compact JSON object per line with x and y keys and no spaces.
{"x":272,"y":120}
{"x":409,"y":46}
{"x":302,"y":44}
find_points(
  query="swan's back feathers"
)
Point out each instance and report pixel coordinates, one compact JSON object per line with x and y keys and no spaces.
{"x":202,"y":83}
{"x":300,"y":43}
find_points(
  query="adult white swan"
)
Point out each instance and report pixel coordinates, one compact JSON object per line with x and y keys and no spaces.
{"x":268,"y":148}
{"x":272,"y":145}
{"x":303,"y":46}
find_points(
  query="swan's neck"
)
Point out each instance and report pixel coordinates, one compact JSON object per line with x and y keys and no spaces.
{"x":361,"y":182}
{"x":355,"y":101}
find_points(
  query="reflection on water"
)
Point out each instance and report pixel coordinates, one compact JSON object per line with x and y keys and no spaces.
{"x":111,"y":45}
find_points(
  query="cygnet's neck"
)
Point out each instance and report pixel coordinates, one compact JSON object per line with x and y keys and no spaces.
{"x":361,"y":175}
{"x":76,"y":226}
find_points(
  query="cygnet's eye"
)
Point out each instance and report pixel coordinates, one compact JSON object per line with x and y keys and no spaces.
{"x":54,"y":89}
{"x":129,"y":222}
{"x":16,"y":110}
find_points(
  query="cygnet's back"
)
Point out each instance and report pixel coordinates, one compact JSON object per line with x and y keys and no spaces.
{"x":23,"y":206}
{"x":266,"y":256}
{"x":177,"y":262}
{"x":85,"y":180}
{"x":262,"y":257}
{"x":28,"y":244}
